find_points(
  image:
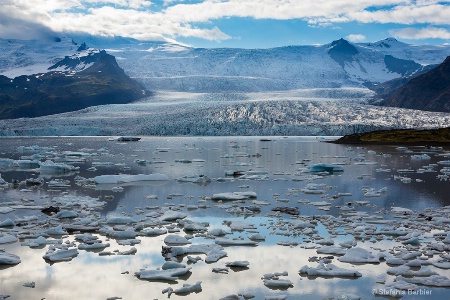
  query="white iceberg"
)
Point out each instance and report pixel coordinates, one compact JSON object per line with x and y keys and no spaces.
{"x":8,"y":258}
{"x":120,"y":220}
{"x":328,"y":270}
{"x":433,"y":280}
{"x":51,"y":167}
{"x":124,"y":178}
{"x":168,"y":275}
{"x":188,"y":288}
{"x":171,"y":215}
{"x":360,"y":255}
{"x":232,"y":196}
{"x":279,"y":283}
{"x":238,"y":263}
{"x":173,"y":239}
{"x":407,"y":271}
{"x":7,"y":223}
{"x":60,"y":255}
{"x":194,"y":179}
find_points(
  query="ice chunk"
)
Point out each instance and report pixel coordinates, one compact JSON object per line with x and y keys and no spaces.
{"x":124,"y":178}
{"x":60,"y":255}
{"x":433,"y":280}
{"x":328,"y":270}
{"x":325,"y":168}
{"x":231,"y":196}
{"x":7,"y":223}
{"x":256,"y":237}
{"x":233,"y":242}
{"x":66,"y":214}
{"x":30,"y":284}
{"x":237,"y":225}
{"x":214,"y":255}
{"x":130,"y":251}
{"x":217,"y":232}
{"x":93,"y":246}
{"x":187,"y":288}
{"x":58,"y":230}
{"x":194,"y":179}
{"x":406,"y":271}
{"x":172,"y":265}
{"x":153,"y":232}
{"x":238,"y":263}
{"x":120,"y":220}
{"x":5,"y":210}
{"x":173,"y":215}
{"x":360,"y":255}
{"x":124,"y":234}
{"x":213,"y":252}
{"x":331,"y":250}
{"x":169,"y":274}
{"x":8,"y":258}
{"x":174,"y":239}
{"x":279,"y":283}
{"x":51,"y":167}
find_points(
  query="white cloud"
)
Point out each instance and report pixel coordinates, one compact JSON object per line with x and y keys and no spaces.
{"x":421,"y":33}
{"x":356,"y":37}
{"x":181,"y":18}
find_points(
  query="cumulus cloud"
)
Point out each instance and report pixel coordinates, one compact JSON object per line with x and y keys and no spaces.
{"x":356,"y":37}
{"x":421,"y":33}
{"x":143,"y":19}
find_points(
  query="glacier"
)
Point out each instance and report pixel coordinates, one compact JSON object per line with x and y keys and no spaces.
{"x":307,"y":112}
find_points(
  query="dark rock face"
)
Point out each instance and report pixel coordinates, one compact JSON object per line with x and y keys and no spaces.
{"x":401,"y":66}
{"x":440,"y":136}
{"x":342,"y":51}
{"x":429,"y":91}
{"x":102,"y":82}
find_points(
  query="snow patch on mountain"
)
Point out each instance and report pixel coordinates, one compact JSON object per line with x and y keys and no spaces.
{"x":27,"y":57}
{"x":423,"y":54}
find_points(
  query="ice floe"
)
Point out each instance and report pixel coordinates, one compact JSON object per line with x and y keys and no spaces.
{"x":168,"y":274}
{"x":125,"y":178}
{"x":8,"y":258}
{"x":328,"y":270}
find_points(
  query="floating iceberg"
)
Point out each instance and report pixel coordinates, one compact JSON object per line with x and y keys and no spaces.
{"x":328,"y":270}
{"x":360,"y":255}
{"x":60,"y":255}
{"x":8,"y":258}
{"x":168,"y":275}
{"x":124,"y":178}
{"x":325,"y":168}
{"x":234,"y":196}
{"x":50,"y":166}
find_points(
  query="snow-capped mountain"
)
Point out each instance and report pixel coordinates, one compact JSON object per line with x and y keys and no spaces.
{"x":168,"y":66}
{"x":88,"y":78}
{"x":172,"y":67}
{"x":295,"y":90}
{"x":27,"y":57}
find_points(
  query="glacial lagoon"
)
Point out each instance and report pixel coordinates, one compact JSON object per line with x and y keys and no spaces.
{"x":223,"y":216}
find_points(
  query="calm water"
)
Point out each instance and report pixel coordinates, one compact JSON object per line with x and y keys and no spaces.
{"x":90,"y":276}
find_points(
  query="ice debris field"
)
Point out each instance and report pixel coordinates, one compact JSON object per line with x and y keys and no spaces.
{"x":222,"y":218}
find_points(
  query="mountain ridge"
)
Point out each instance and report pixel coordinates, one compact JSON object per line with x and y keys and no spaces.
{"x":100,"y":81}
{"x":427,"y":91}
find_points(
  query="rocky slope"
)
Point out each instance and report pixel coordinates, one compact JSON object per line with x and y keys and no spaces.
{"x":439,"y":136}
{"x":74,"y":83}
{"x":428,"y":91}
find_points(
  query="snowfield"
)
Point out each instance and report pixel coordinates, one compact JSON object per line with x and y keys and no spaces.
{"x":313,"y":112}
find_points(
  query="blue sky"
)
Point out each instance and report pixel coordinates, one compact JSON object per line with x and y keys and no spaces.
{"x":232,"y":23}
